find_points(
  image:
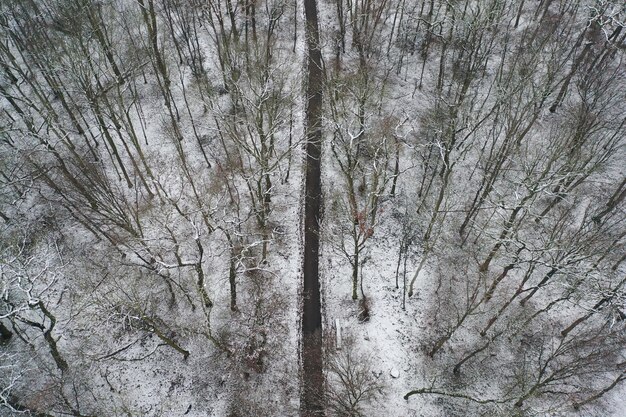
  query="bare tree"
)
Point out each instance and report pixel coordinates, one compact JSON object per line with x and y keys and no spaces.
{"x":353,"y":386}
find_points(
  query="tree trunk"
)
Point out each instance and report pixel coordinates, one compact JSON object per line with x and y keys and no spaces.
{"x":355,"y":273}
{"x":51,"y":341}
{"x":232,"y":279}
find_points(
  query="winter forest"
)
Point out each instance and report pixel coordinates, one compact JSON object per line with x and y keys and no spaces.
{"x":246,"y":208}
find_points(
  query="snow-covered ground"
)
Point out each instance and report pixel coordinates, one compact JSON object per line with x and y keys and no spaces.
{"x":103,"y":282}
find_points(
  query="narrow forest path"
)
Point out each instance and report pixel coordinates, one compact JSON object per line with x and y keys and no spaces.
{"x":312,"y":377}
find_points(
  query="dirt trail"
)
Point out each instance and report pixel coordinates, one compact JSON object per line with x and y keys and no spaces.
{"x":313,"y":380}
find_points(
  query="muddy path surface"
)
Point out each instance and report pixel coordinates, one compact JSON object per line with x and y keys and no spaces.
{"x":312,"y":362}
